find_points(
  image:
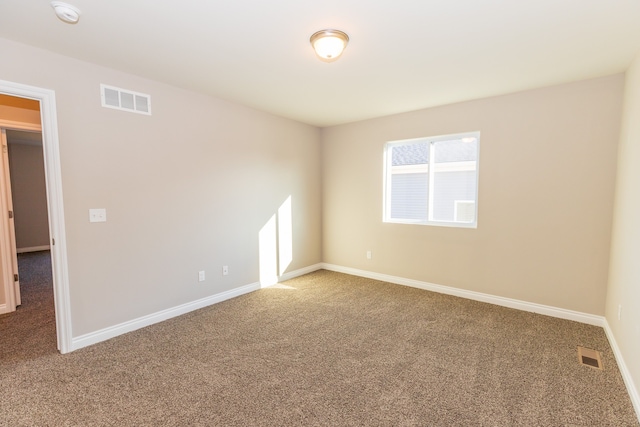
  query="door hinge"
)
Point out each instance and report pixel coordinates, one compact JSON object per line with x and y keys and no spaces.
{"x":15,"y":277}
{"x":10,"y":214}
{"x":53,"y":242}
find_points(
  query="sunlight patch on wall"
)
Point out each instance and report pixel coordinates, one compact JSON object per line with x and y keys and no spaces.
{"x":275,"y":241}
{"x":267,"y":242}
{"x":285,"y":236}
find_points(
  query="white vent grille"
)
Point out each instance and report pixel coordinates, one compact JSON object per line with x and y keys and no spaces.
{"x":125,"y":100}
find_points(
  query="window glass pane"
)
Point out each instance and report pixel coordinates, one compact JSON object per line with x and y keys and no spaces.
{"x":410,"y":154}
{"x":455,"y":180}
{"x":450,"y":188}
{"x":457,"y":150}
{"x":409,"y":196}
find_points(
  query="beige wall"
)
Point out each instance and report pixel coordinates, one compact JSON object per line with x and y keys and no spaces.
{"x":186,"y":189}
{"x":624,"y":274}
{"x":28,"y":191}
{"x":547,"y":170}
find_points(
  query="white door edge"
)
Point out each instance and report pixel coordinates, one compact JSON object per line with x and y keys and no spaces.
{"x":9,"y":220}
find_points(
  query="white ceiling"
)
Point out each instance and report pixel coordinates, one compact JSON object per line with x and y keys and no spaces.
{"x":403,"y":55}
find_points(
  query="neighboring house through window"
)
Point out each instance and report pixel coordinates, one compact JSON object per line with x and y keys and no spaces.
{"x":433,"y":180}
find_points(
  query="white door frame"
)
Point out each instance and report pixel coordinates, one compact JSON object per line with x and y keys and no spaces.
{"x":53,"y":177}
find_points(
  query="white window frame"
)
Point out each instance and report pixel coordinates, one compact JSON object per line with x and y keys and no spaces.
{"x":453,"y":166}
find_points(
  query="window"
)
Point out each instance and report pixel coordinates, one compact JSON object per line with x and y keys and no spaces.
{"x":432,"y":180}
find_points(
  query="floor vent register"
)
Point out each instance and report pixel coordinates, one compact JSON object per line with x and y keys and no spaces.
{"x":589,"y":357}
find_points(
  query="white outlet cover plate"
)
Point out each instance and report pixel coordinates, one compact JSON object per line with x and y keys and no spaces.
{"x":98,"y":215}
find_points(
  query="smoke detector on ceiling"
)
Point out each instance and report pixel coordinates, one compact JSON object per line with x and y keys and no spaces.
{"x":66,"y":12}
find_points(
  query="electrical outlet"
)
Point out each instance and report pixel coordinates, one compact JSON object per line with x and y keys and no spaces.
{"x":368,"y":254}
{"x":97,"y":215}
{"x":200,"y":276}
{"x":225,"y":270}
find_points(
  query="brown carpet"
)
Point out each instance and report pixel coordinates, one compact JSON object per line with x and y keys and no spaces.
{"x":30,"y":332}
{"x":323,"y":349}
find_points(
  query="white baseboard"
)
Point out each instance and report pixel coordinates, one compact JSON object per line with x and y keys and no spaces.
{"x":3,"y":308}
{"x":33,"y":249}
{"x":301,"y":272}
{"x":122,"y":328}
{"x":561,"y":313}
{"x":634,"y":393}
{"x":131,"y":325}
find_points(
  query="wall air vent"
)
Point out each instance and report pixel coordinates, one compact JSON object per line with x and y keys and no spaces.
{"x":125,"y":100}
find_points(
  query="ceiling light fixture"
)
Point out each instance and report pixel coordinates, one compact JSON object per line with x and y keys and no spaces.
{"x":66,"y":12}
{"x":329,"y":44}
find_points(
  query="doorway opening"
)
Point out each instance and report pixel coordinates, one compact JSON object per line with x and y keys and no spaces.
{"x":30,"y":329}
{"x":22,"y":121}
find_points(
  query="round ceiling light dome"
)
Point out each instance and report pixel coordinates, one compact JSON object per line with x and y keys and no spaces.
{"x":66,"y":12}
{"x":329,"y":44}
